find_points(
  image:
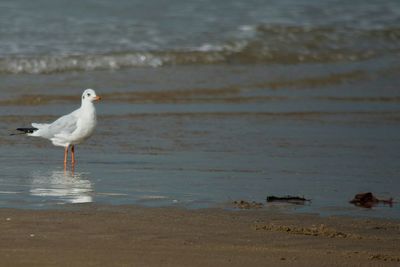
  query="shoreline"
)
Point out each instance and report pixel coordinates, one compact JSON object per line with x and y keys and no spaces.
{"x":93,"y":235}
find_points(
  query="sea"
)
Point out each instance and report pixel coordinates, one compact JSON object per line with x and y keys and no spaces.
{"x":204,"y":103}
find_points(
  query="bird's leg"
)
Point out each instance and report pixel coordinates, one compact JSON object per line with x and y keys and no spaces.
{"x":72,"y":169}
{"x":73,"y":154}
{"x":65,"y":156}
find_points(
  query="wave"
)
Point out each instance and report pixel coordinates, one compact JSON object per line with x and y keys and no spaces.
{"x":261,"y":44}
{"x":63,"y":63}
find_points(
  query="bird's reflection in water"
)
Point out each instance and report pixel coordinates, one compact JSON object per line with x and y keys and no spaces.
{"x":62,"y":186}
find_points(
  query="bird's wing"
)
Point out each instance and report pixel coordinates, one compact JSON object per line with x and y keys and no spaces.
{"x":65,"y":124}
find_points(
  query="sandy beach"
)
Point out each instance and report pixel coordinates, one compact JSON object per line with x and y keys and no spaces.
{"x":138,"y":236}
{"x":203,"y":103}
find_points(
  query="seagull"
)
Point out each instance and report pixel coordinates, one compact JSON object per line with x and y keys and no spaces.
{"x":71,"y":129}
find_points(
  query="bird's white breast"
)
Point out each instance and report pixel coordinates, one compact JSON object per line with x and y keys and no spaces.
{"x":85,"y":125}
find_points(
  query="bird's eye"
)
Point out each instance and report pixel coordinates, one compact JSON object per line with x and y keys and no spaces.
{"x":88,"y":94}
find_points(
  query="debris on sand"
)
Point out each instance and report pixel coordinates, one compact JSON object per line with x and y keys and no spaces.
{"x":368,"y":200}
{"x":242,"y":204}
{"x":289,"y":199}
{"x":314,"y":230}
{"x":384,"y":257}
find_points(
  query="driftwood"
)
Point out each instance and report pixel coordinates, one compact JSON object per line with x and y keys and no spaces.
{"x":288,"y":199}
{"x":368,"y":200}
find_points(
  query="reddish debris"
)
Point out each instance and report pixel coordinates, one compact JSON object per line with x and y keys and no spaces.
{"x":368,"y":200}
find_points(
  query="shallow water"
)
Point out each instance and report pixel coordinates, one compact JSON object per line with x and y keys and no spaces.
{"x":199,"y":148}
{"x":317,"y":115}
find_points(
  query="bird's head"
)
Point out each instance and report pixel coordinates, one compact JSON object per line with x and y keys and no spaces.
{"x":90,"y":96}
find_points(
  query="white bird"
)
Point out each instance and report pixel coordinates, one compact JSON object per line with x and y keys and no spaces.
{"x":71,"y":129}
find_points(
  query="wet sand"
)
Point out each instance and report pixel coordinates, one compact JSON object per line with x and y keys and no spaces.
{"x":93,"y":235}
{"x":201,"y":135}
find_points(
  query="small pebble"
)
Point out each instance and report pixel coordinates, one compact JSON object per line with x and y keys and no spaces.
{"x":32,"y":235}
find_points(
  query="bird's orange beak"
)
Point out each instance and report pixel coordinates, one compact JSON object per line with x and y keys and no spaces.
{"x":97,"y":98}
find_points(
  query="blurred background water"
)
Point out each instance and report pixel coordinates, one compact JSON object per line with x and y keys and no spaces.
{"x":205,"y":102}
{"x":48,"y":36}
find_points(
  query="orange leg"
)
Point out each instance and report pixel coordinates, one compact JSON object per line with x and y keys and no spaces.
{"x":65,"y":155}
{"x":73,"y":154}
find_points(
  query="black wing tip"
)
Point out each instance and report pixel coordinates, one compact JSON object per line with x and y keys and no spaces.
{"x":27,"y":130}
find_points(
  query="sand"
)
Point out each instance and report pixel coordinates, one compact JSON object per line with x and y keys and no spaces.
{"x":138,"y":236}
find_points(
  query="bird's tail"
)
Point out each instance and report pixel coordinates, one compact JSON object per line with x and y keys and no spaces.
{"x":25,"y":130}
